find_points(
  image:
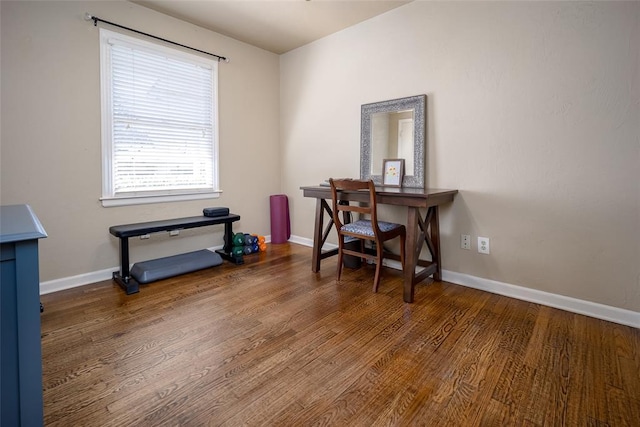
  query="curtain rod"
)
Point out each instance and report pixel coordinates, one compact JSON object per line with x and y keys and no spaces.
{"x":89,"y":17}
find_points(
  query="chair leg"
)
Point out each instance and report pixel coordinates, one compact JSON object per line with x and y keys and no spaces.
{"x":403,"y":241}
{"x":340,"y":255}
{"x":376,"y":279}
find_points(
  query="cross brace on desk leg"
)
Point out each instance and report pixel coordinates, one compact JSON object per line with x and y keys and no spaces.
{"x":320,"y":235}
{"x":429,"y":234}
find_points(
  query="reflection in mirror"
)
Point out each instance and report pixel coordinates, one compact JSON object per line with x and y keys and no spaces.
{"x":394,"y":130}
{"x":392,"y":138}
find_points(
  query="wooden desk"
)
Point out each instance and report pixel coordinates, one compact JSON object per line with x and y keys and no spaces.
{"x":419,"y":230}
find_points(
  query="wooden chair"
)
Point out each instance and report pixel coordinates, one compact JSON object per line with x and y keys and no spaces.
{"x":367,"y":229}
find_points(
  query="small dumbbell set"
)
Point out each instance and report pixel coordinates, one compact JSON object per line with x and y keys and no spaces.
{"x":247,"y":244}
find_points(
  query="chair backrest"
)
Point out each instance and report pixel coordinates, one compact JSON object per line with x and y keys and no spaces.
{"x":366,"y":208}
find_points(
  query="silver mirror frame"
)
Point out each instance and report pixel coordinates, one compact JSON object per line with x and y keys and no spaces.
{"x":416,"y":103}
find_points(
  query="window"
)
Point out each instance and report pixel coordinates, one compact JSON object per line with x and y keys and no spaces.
{"x":159,"y":123}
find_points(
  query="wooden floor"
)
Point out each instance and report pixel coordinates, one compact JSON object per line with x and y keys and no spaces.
{"x":271,"y":343}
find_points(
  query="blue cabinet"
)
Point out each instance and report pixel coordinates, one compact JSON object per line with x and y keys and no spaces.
{"x":20,"y":348}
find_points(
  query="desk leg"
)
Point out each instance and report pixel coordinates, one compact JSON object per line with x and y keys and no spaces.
{"x":434,"y":225}
{"x":421,"y":232}
{"x":317,"y":236}
{"x":411,"y":255}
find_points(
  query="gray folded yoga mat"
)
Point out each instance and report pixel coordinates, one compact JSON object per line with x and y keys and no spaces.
{"x":163,"y":268}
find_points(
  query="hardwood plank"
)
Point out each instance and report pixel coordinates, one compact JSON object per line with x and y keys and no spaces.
{"x":272,"y":343}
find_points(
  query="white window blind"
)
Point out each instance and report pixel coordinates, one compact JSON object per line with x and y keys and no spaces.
{"x":161,"y":120}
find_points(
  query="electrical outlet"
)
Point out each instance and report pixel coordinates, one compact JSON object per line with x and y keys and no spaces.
{"x":144,"y":236}
{"x":174,"y":232}
{"x":484,"y":245}
{"x":465,"y":241}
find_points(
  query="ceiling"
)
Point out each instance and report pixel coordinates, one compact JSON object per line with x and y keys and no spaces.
{"x":274,"y":25}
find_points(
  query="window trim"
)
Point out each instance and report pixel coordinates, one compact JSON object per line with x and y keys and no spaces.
{"x":108,"y":198}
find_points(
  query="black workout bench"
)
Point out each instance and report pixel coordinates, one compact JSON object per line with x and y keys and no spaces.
{"x":124,"y":232}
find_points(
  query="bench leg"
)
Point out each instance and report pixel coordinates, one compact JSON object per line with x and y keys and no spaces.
{"x":130,"y":285}
{"x":122,"y":277}
{"x":226,"y":252}
{"x":228,"y":237}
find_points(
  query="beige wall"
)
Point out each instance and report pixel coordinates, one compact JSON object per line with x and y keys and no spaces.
{"x":532,"y":113}
{"x":50,"y":135}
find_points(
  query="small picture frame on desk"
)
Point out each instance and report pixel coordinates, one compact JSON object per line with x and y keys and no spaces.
{"x":392,"y":172}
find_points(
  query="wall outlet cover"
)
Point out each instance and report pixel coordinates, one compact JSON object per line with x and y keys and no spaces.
{"x":465,"y":241}
{"x":484,"y":246}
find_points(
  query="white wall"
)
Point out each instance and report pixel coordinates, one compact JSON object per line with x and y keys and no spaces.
{"x":50,"y":134}
{"x":532,"y":114}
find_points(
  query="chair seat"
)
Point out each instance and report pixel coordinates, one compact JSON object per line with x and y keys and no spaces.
{"x":364,"y":227}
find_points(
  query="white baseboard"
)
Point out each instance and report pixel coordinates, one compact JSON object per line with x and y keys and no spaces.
{"x":309,"y":242}
{"x":75,"y":281}
{"x":574,"y":305}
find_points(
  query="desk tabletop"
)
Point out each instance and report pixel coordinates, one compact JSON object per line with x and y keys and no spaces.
{"x":420,"y":197}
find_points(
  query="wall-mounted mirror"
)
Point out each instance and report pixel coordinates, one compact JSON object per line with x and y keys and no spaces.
{"x":394,"y":129}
